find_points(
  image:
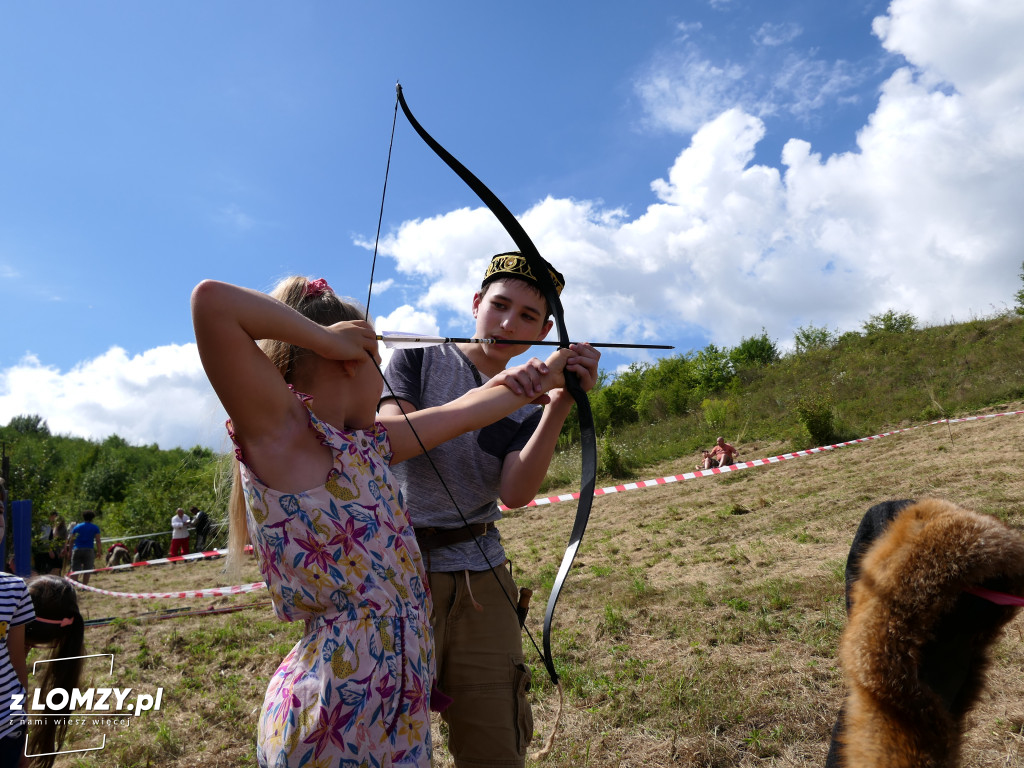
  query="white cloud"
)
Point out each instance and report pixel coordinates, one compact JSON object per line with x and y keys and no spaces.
{"x":160,"y":396}
{"x":686,"y":27}
{"x":777,"y":34}
{"x":234,"y":218}
{"x":380,"y":286}
{"x":682,"y":91}
{"x":974,"y":44}
{"x":923,"y":217}
{"x":805,"y":86}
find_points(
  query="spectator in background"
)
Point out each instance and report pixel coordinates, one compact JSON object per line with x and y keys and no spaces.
{"x":56,"y":534}
{"x":179,"y":533}
{"x":202,"y":521}
{"x":723,"y":454}
{"x":148,"y":549}
{"x":84,"y":543}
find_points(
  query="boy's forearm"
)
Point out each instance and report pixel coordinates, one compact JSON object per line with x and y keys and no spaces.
{"x":522,"y":474}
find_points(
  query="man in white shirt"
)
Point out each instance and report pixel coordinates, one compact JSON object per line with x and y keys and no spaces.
{"x":179,"y":533}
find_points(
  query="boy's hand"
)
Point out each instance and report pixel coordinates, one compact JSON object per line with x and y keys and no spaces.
{"x":583,"y":363}
{"x":352,"y":340}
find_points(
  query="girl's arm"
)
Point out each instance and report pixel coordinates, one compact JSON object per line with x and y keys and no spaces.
{"x":228,"y":319}
{"x":473,"y":410}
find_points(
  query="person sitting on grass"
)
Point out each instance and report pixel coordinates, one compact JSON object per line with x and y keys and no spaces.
{"x":722,"y":455}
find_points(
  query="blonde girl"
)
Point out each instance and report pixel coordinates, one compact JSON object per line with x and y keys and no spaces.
{"x":325,"y":519}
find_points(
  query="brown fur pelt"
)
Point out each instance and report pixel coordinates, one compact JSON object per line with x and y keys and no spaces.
{"x":915,"y":649}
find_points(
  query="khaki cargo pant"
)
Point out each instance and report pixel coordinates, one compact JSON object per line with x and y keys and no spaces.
{"x":480,"y":665}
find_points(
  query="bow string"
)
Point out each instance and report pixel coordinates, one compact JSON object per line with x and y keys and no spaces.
{"x":588,"y":438}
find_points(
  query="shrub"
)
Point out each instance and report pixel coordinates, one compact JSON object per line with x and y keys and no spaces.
{"x":1020,"y":294}
{"x":716,"y":412}
{"x":610,"y":460}
{"x":890,"y":321}
{"x":817,"y":417}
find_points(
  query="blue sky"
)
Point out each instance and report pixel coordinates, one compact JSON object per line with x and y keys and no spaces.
{"x":699,"y":171}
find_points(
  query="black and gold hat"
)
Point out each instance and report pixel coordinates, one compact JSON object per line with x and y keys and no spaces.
{"x":514,"y":264}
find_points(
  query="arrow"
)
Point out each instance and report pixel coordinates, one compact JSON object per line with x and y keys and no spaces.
{"x":400,"y":340}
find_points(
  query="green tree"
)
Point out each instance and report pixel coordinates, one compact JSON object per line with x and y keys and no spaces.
{"x":754,"y":352}
{"x":809,"y":338}
{"x":29,"y":425}
{"x":666,"y":388}
{"x":712,"y":369}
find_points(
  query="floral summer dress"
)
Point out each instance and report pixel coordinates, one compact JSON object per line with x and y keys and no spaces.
{"x":355,"y":690}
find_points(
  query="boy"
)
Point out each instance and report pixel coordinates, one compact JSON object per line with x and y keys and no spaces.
{"x":476,"y":629}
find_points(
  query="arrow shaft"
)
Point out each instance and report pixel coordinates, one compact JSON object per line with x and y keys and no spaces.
{"x":402,"y":339}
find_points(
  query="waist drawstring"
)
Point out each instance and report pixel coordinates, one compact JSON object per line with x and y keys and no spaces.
{"x":469,"y":591}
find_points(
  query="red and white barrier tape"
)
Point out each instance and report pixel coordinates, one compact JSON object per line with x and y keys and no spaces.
{"x":747,"y":464}
{"x":211,"y":592}
{"x":213,"y":553}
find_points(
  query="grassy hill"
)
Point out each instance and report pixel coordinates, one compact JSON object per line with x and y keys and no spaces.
{"x":700,"y":622}
{"x":858,"y":384}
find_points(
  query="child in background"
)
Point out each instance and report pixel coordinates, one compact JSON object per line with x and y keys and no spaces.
{"x":58,"y":626}
{"x":328,"y":527}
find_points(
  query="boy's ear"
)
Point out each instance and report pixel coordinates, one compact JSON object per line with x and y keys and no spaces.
{"x":545,"y":329}
{"x":477,"y":297}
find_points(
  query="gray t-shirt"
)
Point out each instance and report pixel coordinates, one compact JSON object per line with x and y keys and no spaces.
{"x":470,"y":464}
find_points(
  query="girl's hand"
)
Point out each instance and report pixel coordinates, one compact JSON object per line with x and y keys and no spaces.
{"x":525,"y":379}
{"x":352,"y":340}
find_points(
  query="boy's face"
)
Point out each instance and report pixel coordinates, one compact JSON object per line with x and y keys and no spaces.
{"x":510,"y":309}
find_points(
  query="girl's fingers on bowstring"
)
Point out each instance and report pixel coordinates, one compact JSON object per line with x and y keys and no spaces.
{"x":353,"y":339}
{"x":525,"y":379}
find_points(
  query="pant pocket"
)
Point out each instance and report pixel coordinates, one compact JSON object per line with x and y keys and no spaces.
{"x":523,"y":711}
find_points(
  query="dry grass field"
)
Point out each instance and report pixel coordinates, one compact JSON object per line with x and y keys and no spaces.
{"x":698,"y":628}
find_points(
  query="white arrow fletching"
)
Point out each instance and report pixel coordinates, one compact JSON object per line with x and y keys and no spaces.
{"x":398,"y":340}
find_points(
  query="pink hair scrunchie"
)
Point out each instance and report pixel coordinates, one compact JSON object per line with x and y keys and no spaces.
{"x":316,"y":287}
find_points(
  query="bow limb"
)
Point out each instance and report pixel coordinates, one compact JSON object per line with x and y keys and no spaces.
{"x":588,"y":437}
